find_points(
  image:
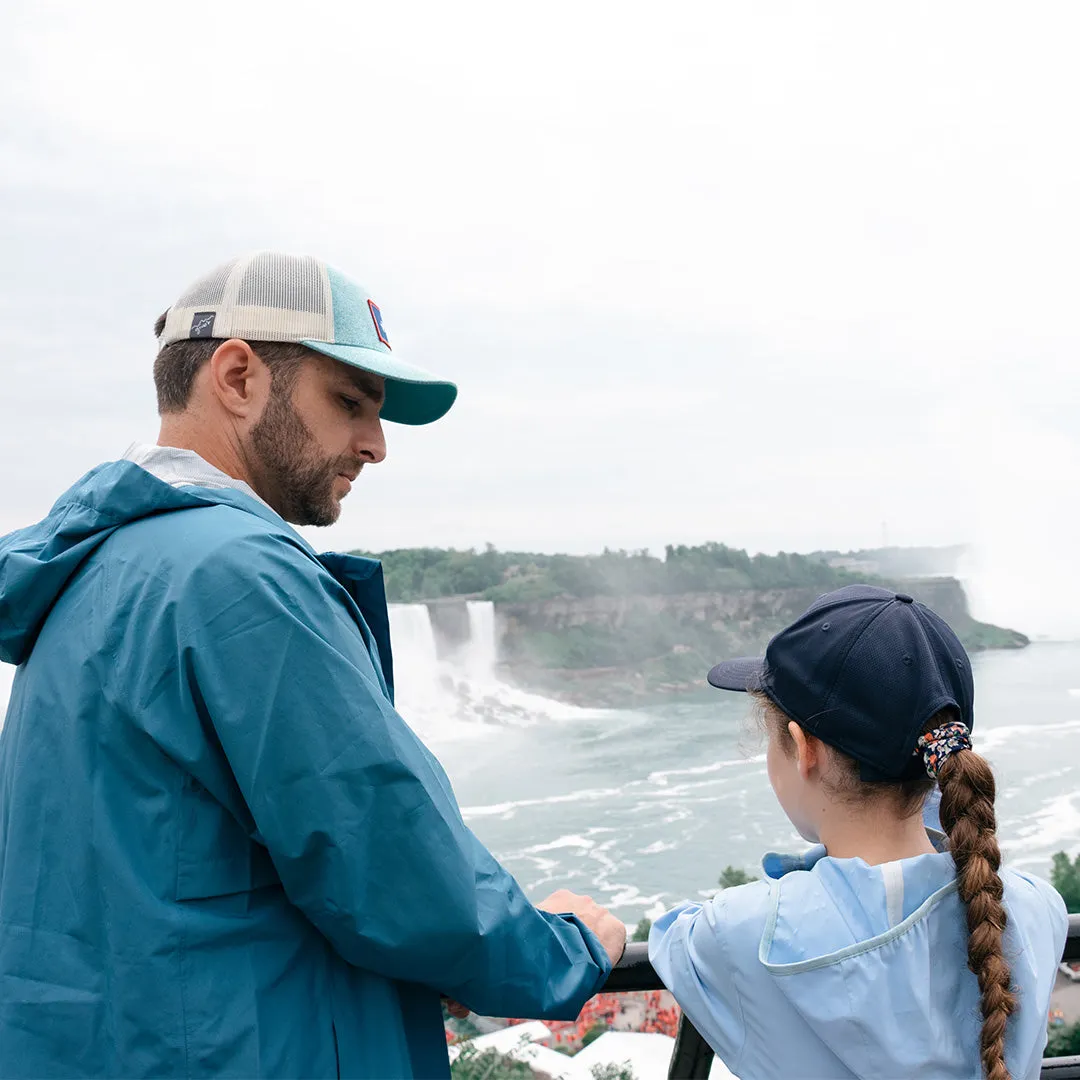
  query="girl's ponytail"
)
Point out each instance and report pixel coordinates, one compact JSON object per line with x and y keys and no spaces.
{"x":967,"y":816}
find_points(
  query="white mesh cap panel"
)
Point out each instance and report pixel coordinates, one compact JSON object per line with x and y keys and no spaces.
{"x":268,"y":296}
{"x":294,"y":282}
{"x":209,"y":290}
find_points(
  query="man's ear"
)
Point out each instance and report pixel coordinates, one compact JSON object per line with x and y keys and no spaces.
{"x":808,"y":750}
{"x":238,"y":379}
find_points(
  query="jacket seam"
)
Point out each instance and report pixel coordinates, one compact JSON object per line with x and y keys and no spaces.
{"x":736,"y":1065}
{"x":849,"y":951}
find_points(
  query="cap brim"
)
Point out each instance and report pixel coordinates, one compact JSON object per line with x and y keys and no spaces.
{"x":413,"y":396}
{"x":745,"y":673}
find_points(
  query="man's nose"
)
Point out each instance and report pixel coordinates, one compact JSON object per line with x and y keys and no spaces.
{"x":370,"y":445}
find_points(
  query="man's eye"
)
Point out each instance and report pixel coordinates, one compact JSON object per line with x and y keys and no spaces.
{"x":351,"y":404}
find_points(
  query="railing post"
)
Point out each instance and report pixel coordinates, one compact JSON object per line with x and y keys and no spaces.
{"x":692,"y":1057}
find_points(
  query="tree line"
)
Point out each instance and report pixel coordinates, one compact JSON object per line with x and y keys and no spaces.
{"x":416,"y":574}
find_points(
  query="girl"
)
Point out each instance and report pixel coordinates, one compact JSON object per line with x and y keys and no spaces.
{"x":888,"y":950}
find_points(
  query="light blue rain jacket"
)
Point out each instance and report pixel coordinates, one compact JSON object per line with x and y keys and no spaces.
{"x":832,"y":968}
{"x":222,"y":852}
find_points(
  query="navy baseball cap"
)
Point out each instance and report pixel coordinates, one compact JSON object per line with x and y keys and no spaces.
{"x":863,"y":669}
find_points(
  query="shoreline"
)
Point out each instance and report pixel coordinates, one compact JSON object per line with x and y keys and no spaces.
{"x":618,"y":687}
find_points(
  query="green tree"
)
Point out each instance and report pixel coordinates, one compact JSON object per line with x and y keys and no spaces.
{"x":473,"y":1064}
{"x":1065,"y":877}
{"x":612,"y":1071}
{"x":1063,"y":1041}
{"x":594,"y":1033}
{"x":641,"y":931}
{"x":730,"y":877}
{"x":417,"y":574}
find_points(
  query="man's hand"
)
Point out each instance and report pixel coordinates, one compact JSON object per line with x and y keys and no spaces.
{"x":610,"y":931}
{"x":455,"y":1008}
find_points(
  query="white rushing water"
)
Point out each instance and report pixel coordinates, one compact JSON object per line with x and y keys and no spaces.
{"x":455,"y":693}
{"x":480,"y":654}
{"x":416,"y":661}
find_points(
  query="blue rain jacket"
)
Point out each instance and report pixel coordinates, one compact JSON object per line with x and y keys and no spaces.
{"x":830,"y":968}
{"x":222,"y":852}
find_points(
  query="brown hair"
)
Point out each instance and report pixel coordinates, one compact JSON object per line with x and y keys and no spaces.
{"x":179,"y":362}
{"x":967,"y":816}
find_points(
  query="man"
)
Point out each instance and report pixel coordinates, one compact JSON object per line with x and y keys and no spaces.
{"x":222,"y":852}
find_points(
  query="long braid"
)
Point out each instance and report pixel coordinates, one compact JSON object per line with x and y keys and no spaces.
{"x":967,"y":815}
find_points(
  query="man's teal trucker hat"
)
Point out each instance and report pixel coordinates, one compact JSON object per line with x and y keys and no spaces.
{"x":272,"y":296}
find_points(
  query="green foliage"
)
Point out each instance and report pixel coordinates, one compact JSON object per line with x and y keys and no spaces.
{"x":730,"y":877}
{"x":527,"y":588}
{"x":716,"y":567}
{"x":576,"y":647}
{"x":473,"y":1064}
{"x":1063,"y":1041}
{"x":594,"y":1033}
{"x":641,"y":931}
{"x":415,"y":574}
{"x":1065,"y":877}
{"x":612,"y":1071}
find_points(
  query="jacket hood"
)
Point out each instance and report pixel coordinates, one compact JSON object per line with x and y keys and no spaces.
{"x":36,"y":563}
{"x":857,"y":951}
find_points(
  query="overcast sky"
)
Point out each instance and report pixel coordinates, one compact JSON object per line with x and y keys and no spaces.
{"x":788,"y":276}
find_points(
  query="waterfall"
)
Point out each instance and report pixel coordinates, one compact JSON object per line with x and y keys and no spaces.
{"x":480,"y":651}
{"x":417,"y":683}
{"x":413,"y":638}
{"x":459,"y":694}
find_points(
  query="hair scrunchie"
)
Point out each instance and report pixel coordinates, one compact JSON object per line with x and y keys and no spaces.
{"x":937,"y":745}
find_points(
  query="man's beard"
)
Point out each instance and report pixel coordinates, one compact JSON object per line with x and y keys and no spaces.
{"x":292,"y":478}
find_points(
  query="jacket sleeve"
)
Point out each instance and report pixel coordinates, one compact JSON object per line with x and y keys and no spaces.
{"x":358,"y":817}
{"x":687,"y":949}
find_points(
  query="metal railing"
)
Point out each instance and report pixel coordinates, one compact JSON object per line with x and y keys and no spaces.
{"x":692,"y":1057}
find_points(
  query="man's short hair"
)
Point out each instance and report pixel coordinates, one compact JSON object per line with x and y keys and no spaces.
{"x":179,"y":362}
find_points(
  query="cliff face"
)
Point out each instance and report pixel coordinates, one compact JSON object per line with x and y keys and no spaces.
{"x":744,"y":613}
{"x":608,"y":649}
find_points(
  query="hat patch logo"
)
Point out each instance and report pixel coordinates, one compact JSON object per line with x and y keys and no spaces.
{"x":376,"y":317}
{"x":202,"y":324}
